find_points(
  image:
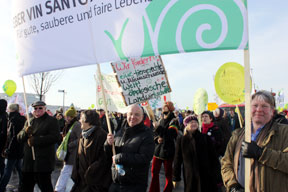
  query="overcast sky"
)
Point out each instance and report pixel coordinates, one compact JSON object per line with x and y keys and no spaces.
{"x":268,"y":41}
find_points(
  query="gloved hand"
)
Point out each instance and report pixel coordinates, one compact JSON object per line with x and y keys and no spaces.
{"x":251,"y":150}
{"x":29,"y":130}
{"x":30,"y":141}
{"x":236,"y":188}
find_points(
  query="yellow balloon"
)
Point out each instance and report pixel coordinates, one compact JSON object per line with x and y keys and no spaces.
{"x":9,"y":87}
{"x":230,"y":83}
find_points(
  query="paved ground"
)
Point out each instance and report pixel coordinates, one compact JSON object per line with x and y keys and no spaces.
{"x":13,"y":184}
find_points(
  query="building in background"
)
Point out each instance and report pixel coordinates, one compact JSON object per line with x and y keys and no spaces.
{"x":31,"y":98}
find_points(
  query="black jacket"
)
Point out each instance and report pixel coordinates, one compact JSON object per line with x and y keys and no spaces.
{"x":280,"y":119}
{"x":216,"y":136}
{"x":134,"y":150}
{"x":223,"y":125}
{"x":46,"y":134}
{"x":200,"y":164}
{"x":168,"y":130}
{"x":14,"y":149}
{"x":3,"y":130}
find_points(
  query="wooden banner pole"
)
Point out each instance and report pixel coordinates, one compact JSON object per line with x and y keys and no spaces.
{"x":105,"y":105}
{"x":247,"y":115}
{"x":150,"y":112}
{"x":27,"y":114}
{"x":239,"y":116}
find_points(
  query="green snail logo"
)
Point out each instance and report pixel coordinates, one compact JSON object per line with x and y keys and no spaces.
{"x":175,"y":26}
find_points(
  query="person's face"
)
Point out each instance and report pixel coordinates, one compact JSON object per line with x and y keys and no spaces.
{"x":134,"y":116}
{"x":261,"y":111}
{"x":206,"y":119}
{"x":192,"y":126}
{"x":39,"y":111}
{"x":165,"y":109}
{"x":68,"y":118}
{"x":82,"y":120}
{"x":232,"y":113}
{"x":187,"y":114}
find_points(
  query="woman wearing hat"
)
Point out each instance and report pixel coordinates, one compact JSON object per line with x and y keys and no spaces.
{"x":200,"y":163}
{"x":73,"y":126}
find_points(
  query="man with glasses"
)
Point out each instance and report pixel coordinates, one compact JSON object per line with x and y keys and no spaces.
{"x":42,"y":134}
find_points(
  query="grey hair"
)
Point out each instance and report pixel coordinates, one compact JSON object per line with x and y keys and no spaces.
{"x":13,"y":107}
{"x":266,"y":96}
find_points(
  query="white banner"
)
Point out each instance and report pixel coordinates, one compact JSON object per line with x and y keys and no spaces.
{"x":113,"y":94}
{"x":56,"y":34}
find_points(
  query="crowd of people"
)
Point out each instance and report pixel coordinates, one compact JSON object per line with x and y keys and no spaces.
{"x":207,"y":151}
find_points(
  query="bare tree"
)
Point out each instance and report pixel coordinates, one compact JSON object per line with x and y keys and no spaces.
{"x":42,"y":82}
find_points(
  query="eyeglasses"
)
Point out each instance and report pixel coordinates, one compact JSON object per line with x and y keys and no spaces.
{"x":36,"y":108}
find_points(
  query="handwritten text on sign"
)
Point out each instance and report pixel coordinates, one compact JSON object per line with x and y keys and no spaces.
{"x":112,"y":91}
{"x":141,"y":79}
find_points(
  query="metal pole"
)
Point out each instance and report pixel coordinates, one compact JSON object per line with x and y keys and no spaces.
{"x":63,"y":91}
{"x":63,"y":101}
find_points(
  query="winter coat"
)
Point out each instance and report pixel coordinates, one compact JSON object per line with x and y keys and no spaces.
{"x":201,"y":166}
{"x":273,"y":169}
{"x":104,"y":124}
{"x":3,"y":130}
{"x":61,"y":123}
{"x":223,"y":125}
{"x":234,"y":121}
{"x":45,"y":135}
{"x":280,"y":119}
{"x":14,"y":150}
{"x":91,"y":170}
{"x":134,"y":150}
{"x":168,"y":130}
{"x":217,"y":139}
{"x":73,"y":142}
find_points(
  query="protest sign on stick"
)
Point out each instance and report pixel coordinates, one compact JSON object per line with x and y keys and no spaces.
{"x":113,"y":93}
{"x":200,"y":103}
{"x":105,"y":108}
{"x":141,"y":79}
{"x":230,"y":84}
